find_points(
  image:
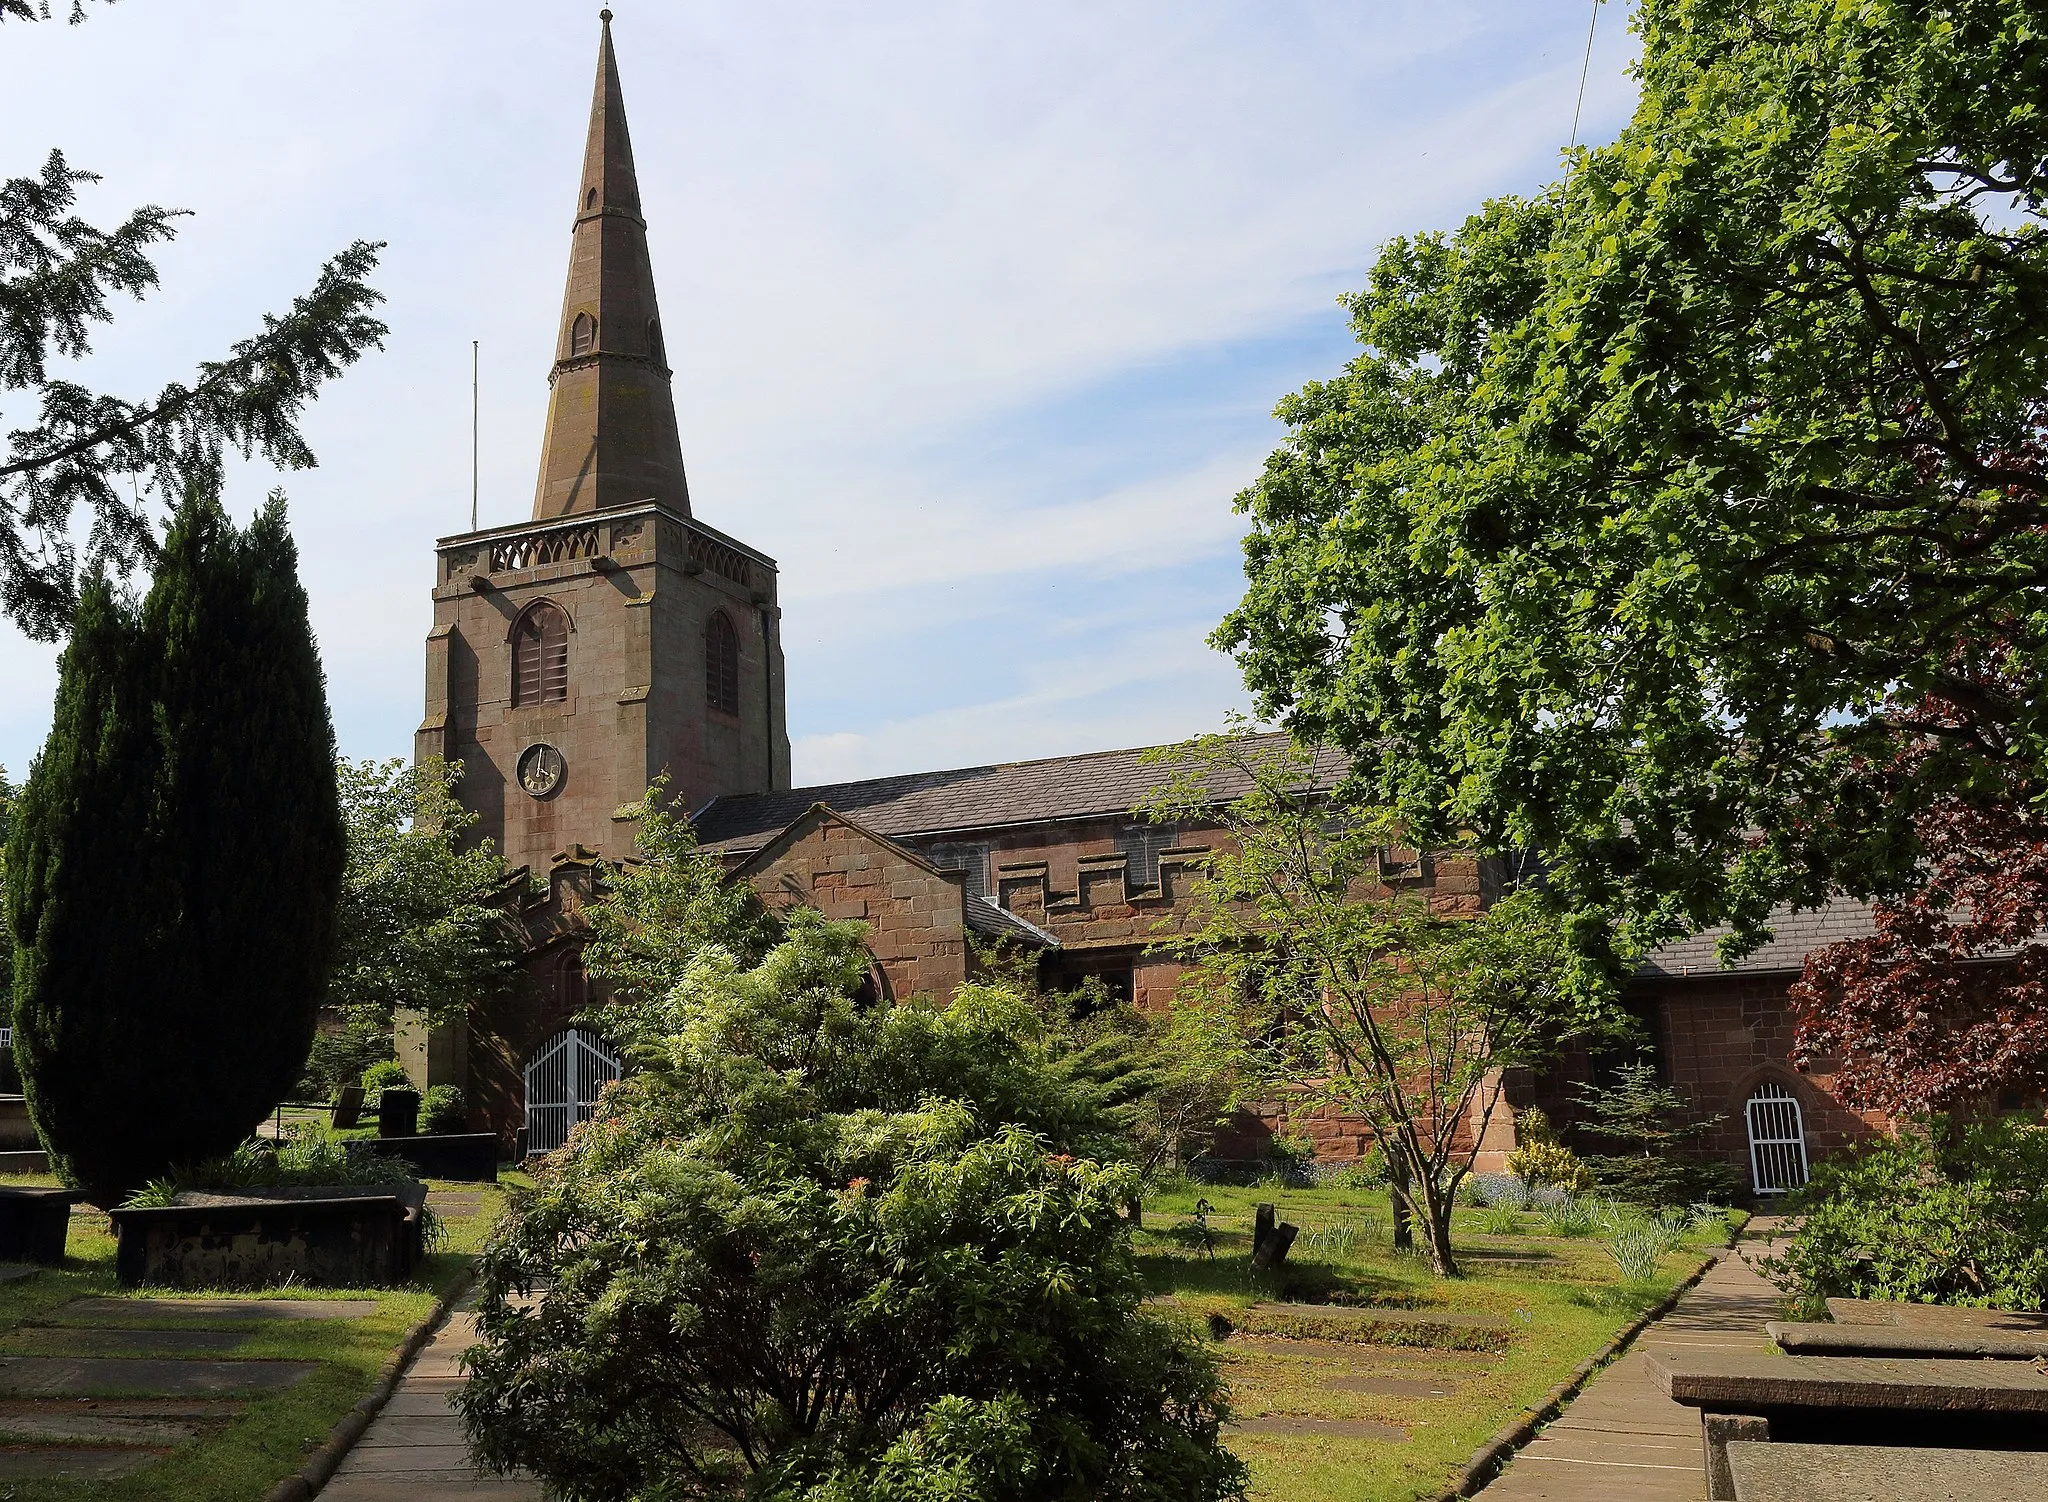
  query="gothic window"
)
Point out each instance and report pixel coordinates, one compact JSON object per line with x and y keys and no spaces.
{"x":721,"y":664}
{"x":582,"y":334}
{"x":1140,"y":845}
{"x":654,"y":338}
{"x":950,"y":855}
{"x":590,"y":199}
{"x":540,"y":656}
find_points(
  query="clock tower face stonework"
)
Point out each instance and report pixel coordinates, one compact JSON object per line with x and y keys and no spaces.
{"x":614,"y":638}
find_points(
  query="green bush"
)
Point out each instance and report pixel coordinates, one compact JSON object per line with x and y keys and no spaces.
{"x":339,"y":1058}
{"x":307,"y":1157}
{"x":838,"y":1253}
{"x":1941,"y":1214}
{"x":1549,"y":1162}
{"x":385,"y":1074}
{"x":443,"y":1110}
{"x":174,"y":861}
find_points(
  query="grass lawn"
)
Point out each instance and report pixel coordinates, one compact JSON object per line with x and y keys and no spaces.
{"x":269,"y":1438}
{"x":1323,"y":1407}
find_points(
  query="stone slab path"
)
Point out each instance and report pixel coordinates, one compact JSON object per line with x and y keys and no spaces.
{"x":1621,"y":1439}
{"x":415,"y":1450}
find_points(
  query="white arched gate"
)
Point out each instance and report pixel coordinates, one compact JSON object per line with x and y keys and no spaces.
{"x":562,"y":1082}
{"x":1777,"y":1140}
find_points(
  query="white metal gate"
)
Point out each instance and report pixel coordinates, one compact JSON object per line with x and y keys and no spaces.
{"x":562,"y":1082}
{"x":1777,"y":1140}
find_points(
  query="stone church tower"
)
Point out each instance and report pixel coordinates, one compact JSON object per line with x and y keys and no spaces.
{"x":613,"y":638}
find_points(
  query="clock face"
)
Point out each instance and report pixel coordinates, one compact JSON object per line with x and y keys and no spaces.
{"x":541,"y":770}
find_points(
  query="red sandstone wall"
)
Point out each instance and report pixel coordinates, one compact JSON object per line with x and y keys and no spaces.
{"x":1722,"y":1036}
{"x":915,"y":915}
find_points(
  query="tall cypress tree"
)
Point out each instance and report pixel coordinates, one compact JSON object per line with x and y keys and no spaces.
{"x":180,"y":850}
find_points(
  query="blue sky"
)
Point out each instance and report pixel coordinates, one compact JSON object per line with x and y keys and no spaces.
{"x":978,"y":311}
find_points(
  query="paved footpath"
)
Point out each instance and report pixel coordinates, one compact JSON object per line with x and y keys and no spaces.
{"x":415,"y":1450}
{"x":1621,"y":1439}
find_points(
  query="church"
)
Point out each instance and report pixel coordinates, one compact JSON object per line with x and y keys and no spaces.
{"x":615,"y":638}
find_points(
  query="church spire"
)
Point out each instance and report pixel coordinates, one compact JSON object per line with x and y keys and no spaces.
{"x":611,"y":438}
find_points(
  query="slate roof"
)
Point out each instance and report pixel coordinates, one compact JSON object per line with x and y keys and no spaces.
{"x":985,"y":918}
{"x":1099,"y":784}
{"x":1794,"y":936}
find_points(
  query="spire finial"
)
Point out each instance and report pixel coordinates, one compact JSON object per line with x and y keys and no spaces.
{"x":605,"y":16}
{"x":611,"y":437}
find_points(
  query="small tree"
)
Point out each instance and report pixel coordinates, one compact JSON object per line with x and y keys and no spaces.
{"x":1339,"y":991}
{"x":175,"y":860}
{"x":426,"y":920}
{"x":671,"y":900}
{"x":1657,"y":1132}
{"x":1945,"y":1005}
{"x":840,"y":1253}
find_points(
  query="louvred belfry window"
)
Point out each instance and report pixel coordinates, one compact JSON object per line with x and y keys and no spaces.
{"x":540,"y":656}
{"x":722,"y":665}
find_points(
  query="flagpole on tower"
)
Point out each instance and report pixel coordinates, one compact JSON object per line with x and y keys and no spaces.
{"x":473,"y":346}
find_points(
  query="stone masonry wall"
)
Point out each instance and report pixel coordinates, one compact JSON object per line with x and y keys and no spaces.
{"x":1722,"y":1036}
{"x":916,"y":916}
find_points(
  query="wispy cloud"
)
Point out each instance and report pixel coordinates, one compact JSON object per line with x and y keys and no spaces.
{"x":977,"y":312}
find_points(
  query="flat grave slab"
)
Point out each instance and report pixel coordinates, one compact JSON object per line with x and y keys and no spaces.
{"x":203,"y":1312}
{"x":1396,"y":1387}
{"x":74,"y":1462}
{"x":1735,"y":1383}
{"x":84,"y":1376}
{"x":1883,"y":1473}
{"x":1440,"y":1329}
{"x":1906,"y":1340}
{"x":106,"y":1340}
{"x":1287,"y":1423}
{"x":1935,"y":1316}
{"x":125,"y":1421}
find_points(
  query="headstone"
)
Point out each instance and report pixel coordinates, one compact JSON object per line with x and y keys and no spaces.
{"x":348,"y":1108}
{"x":398,"y":1113}
{"x":1273,"y":1250}
{"x":1262,"y":1227}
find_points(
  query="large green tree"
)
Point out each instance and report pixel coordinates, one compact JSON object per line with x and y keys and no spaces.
{"x":427,"y":921}
{"x":174,"y":861}
{"x":110,"y":455}
{"x":1653,"y":500}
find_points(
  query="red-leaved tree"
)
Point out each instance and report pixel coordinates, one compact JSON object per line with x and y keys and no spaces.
{"x":1946,"y":1004}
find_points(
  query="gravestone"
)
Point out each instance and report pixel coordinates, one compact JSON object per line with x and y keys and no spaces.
{"x":348,"y":1108}
{"x":398,"y":1113}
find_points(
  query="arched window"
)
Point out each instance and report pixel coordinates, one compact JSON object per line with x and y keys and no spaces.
{"x":540,"y":656}
{"x":721,"y":664}
{"x":582,"y":334}
{"x":590,"y":199}
{"x":654,"y":338}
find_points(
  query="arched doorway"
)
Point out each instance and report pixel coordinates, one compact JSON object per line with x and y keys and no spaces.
{"x":563,"y":1079}
{"x":1777,"y":1139}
